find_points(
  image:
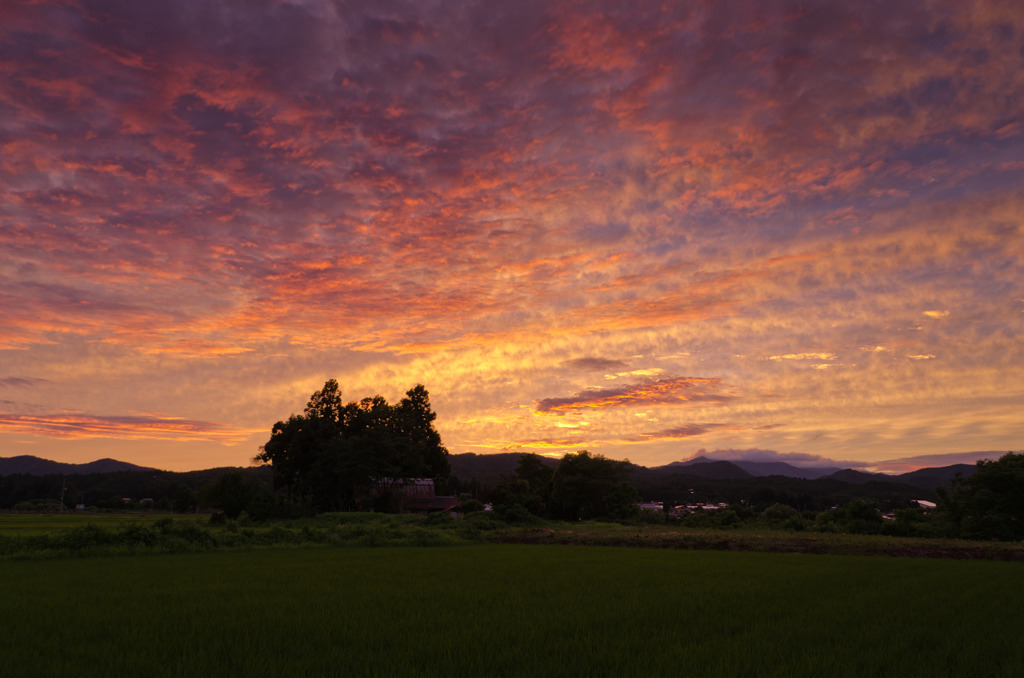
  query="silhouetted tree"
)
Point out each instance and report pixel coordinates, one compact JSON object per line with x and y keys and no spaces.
{"x":184,"y":500}
{"x":586,"y":486}
{"x":333,"y":454}
{"x":989,"y":504}
{"x":533,"y":469}
{"x":529,"y":489}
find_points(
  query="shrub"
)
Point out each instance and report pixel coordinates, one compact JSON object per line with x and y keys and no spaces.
{"x":778,"y":515}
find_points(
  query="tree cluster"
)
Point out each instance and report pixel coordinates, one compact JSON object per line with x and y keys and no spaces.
{"x":337,"y":456}
{"x":582,"y":487}
{"x":989,"y":504}
{"x":120,"y":490}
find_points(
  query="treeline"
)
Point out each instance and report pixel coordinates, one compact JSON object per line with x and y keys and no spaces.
{"x":763,"y":491}
{"x":135,"y":490}
{"x":582,"y":487}
{"x":987,"y":505}
{"x":486,"y":478}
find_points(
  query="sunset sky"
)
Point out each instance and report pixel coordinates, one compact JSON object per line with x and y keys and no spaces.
{"x":776,"y":230}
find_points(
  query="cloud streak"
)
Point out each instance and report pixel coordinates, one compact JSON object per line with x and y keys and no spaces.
{"x":131,"y":427}
{"x":670,"y":391}
{"x":17,"y":382}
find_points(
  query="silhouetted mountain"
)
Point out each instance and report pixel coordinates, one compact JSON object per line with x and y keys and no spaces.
{"x":781,"y":468}
{"x":758,"y":468}
{"x":34,"y":466}
{"x":853,"y":477}
{"x":934,"y":477}
{"x":487,"y":469}
{"x":689,"y":462}
{"x":702,"y":467}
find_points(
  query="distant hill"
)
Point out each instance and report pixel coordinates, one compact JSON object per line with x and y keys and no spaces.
{"x":35,"y":466}
{"x":923,"y":477}
{"x":488,"y":469}
{"x":934,"y":477}
{"x":781,"y":468}
{"x":703,"y":467}
{"x":849,"y":475}
{"x":751,"y":468}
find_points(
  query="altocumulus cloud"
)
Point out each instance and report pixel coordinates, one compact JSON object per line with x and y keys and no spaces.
{"x":593,"y":364}
{"x":228,"y":203}
{"x":676,"y":432}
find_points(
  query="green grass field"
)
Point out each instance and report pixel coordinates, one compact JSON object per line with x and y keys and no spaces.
{"x":509,"y":610}
{"x":48,"y":535}
{"x":32,"y":524}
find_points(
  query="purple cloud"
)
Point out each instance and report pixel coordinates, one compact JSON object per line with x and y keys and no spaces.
{"x":669,"y":391}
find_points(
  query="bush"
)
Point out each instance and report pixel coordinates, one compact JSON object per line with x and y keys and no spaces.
{"x":649,"y":517}
{"x":82,"y":537}
{"x":515,"y":514}
{"x":438,"y":518}
{"x":483,"y":520}
{"x":795,"y":523}
{"x":778,"y":515}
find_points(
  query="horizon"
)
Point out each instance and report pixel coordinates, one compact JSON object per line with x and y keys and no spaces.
{"x":892,"y":467}
{"x":635,"y":230}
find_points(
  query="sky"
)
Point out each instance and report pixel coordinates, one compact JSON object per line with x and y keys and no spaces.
{"x":750,"y":229}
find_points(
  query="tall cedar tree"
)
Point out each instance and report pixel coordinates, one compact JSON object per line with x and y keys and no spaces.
{"x":331,"y":456}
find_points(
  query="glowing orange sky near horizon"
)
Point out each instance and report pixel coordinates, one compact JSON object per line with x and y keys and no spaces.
{"x":789,"y":232}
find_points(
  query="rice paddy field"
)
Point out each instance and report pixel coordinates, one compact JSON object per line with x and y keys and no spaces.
{"x":509,"y":610}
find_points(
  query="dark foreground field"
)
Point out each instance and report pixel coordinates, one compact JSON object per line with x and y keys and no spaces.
{"x":509,"y":610}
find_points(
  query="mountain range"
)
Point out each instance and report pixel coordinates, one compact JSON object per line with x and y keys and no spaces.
{"x":35,"y":466}
{"x":704,"y":467}
{"x":489,"y":469}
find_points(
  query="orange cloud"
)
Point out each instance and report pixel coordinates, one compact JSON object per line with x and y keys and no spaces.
{"x":676,"y":433}
{"x":132,"y":427}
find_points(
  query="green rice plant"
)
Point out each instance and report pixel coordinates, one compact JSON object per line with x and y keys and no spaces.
{"x":510,"y":610}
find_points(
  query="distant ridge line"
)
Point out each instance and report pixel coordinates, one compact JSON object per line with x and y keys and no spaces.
{"x":36,"y":466}
{"x":708,"y":467}
{"x":492,"y":468}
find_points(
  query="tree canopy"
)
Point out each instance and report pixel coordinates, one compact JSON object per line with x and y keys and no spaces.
{"x":586,"y":486}
{"x":989,"y":504}
{"x":333,"y":454}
